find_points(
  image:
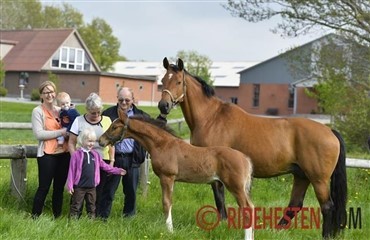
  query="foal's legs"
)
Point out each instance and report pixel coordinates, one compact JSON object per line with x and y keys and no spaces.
{"x":246,"y":206}
{"x":219,"y":195}
{"x":167,"y":184}
{"x":300,"y":185}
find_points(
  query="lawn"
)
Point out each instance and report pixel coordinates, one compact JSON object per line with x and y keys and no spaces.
{"x":149,"y":223}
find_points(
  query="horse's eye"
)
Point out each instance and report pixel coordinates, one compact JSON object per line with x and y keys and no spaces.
{"x":179,"y":82}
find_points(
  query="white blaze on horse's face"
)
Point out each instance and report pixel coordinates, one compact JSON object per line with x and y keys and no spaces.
{"x":170,"y":76}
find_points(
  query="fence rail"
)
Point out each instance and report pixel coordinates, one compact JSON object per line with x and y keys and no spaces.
{"x":28,"y":125}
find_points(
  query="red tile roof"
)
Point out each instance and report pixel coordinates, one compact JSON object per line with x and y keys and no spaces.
{"x":33,"y":48}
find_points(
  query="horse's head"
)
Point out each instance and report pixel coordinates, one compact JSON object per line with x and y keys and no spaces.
{"x":116,"y":130}
{"x":173,"y":85}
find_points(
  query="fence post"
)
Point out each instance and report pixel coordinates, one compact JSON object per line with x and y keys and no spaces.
{"x":18,"y":174}
{"x":144,"y":176}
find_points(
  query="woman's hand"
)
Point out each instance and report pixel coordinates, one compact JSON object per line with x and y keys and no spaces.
{"x":64,"y":132}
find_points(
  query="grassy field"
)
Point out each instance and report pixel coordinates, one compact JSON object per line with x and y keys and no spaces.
{"x":149,"y":223}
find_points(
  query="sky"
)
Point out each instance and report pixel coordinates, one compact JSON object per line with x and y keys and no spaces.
{"x":151,"y":30}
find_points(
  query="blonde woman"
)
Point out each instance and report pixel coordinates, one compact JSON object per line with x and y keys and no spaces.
{"x":52,"y":162}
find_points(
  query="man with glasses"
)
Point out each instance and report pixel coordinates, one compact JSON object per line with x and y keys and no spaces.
{"x":128,"y":155}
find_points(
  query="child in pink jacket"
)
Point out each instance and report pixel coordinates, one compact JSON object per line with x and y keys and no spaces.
{"x":84,"y":174}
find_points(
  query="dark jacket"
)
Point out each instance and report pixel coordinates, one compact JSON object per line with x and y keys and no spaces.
{"x":67,"y":117}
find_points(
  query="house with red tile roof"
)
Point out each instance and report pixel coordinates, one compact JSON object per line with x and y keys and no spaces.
{"x":29,"y":55}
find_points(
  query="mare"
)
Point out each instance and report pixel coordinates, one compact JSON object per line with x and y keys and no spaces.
{"x":173,"y":159}
{"x":309,"y":150}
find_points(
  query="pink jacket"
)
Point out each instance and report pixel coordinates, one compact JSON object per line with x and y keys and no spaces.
{"x":75,"y":167}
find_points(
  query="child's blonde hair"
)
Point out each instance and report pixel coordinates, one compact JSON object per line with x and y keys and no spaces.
{"x":62,"y":96}
{"x":87,"y":133}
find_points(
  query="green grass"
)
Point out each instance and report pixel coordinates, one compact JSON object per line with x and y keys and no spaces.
{"x":16,"y":223}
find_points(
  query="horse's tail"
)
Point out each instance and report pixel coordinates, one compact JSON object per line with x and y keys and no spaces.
{"x":338,"y":188}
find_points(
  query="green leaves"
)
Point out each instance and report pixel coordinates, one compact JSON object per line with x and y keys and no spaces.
{"x":196,"y":64}
{"x":98,"y":35}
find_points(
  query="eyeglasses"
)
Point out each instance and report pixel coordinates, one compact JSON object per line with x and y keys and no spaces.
{"x":95,"y":113}
{"x":48,"y":93}
{"x":127,"y":100}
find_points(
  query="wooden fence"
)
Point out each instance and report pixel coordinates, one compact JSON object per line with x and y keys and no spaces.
{"x":28,"y":125}
{"x":18,"y":155}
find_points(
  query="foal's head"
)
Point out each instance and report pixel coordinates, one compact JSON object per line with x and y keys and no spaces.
{"x":114,"y":133}
{"x":116,"y":130}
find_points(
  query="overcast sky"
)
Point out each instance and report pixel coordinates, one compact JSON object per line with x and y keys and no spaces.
{"x":151,"y":30}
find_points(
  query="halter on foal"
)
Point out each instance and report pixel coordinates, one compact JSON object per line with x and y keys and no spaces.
{"x":311,"y":151}
{"x":175,"y":160}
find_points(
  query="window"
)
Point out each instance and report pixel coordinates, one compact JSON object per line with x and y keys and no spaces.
{"x":234,"y":100}
{"x":291,"y":98}
{"x":256,"y":95}
{"x":71,"y":58}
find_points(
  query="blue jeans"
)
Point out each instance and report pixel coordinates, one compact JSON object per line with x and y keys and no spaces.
{"x":109,"y":187}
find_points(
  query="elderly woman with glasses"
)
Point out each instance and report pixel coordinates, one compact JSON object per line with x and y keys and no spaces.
{"x":92,"y":119}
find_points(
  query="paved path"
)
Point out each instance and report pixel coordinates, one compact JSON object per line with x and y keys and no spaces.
{"x":23,"y":100}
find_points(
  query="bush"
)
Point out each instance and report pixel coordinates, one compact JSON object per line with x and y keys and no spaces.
{"x":35,"y":95}
{"x":3,"y":91}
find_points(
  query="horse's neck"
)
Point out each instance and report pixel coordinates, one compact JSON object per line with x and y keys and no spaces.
{"x":146,"y":134}
{"x":197,"y":105}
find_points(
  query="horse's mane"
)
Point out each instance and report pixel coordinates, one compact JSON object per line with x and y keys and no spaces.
{"x":158,"y":123}
{"x":207,"y":89}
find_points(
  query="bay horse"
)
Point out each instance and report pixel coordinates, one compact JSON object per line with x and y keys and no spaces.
{"x":173,"y":159}
{"x":309,"y":150}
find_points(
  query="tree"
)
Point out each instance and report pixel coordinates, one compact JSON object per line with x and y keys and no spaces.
{"x":20,"y":14}
{"x":344,"y":87}
{"x":101,"y":42}
{"x":3,"y":90}
{"x":32,"y":14}
{"x":196,"y":64}
{"x":347,"y":17}
{"x":65,"y":16}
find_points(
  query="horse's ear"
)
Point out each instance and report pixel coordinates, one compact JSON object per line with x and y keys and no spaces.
{"x":180,"y":64}
{"x":165,"y":63}
{"x":122,"y":115}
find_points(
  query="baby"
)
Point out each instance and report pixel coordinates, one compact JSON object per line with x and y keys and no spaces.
{"x":67,"y":113}
{"x":84,"y":174}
